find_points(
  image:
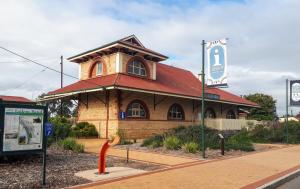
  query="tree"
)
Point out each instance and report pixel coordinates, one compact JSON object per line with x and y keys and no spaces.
{"x":54,"y":107}
{"x":267,"y":110}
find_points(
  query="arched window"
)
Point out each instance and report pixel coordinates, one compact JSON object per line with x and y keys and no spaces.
{"x":210,"y":113}
{"x":230,"y":115}
{"x":136,"y":67}
{"x":175,"y":112}
{"x":137,"y":109}
{"x":99,"y":68}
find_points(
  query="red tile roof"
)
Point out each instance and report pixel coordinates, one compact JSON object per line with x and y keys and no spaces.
{"x":15,"y":99}
{"x":170,"y":80}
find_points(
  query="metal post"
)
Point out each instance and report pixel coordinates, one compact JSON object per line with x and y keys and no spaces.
{"x":44,"y":148}
{"x":44,"y":161}
{"x":61,"y":83}
{"x":222,"y":147}
{"x":203,"y":92}
{"x":287,"y":111}
{"x":127,"y":157}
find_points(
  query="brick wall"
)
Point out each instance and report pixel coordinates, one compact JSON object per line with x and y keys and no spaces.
{"x":158,"y":123}
{"x":110,"y":65}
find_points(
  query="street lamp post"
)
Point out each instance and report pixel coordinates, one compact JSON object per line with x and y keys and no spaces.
{"x":202,"y":104}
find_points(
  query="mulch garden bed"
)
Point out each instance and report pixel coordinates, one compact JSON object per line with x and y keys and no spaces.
{"x":25,"y":171}
{"x":210,"y":153}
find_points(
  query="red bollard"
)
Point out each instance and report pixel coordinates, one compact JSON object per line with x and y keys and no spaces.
{"x":101,"y":161}
{"x":102,"y":154}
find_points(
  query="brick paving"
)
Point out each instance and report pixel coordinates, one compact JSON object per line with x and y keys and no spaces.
{"x":247,"y":171}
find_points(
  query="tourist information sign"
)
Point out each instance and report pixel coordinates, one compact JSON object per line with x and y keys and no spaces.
{"x":217,"y":63}
{"x":295,"y":92}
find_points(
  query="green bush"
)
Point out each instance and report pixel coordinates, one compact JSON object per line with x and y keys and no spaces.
{"x":190,"y":147}
{"x":172,"y":143}
{"x":50,"y":141}
{"x":260,"y":134}
{"x":62,"y":127}
{"x":71,"y":144}
{"x":240,"y":141}
{"x":192,"y":134}
{"x":294,"y":132}
{"x":123,"y":140}
{"x":265,"y":134}
{"x":154,"y":141}
{"x":84,"y":129}
{"x":156,"y":144}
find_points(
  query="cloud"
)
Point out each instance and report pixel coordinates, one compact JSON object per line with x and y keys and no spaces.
{"x":262,"y":48}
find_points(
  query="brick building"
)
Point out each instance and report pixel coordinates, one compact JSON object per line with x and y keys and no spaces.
{"x":124,"y":86}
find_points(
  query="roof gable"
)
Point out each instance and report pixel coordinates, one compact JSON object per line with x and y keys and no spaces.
{"x":131,"y":42}
{"x":132,"y":39}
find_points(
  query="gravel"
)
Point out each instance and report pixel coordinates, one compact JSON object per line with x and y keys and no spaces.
{"x":25,"y":171}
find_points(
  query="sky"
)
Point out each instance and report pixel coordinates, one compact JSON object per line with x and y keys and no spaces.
{"x":263,"y":45}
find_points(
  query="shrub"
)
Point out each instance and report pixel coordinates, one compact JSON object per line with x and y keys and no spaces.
{"x":190,"y":147}
{"x":123,"y":140}
{"x":154,"y":141}
{"x":260,"y":134}
{"x":84,"y":129}
{"x":240,"y":141}
{"x":50,"y":141}
{"x":62,"y":127}
{"x":172,"y":143}
{"x":194,"y":134}
{"x":156,"y":144}
{"x":71,"y":144}
{"x":265,"y":134}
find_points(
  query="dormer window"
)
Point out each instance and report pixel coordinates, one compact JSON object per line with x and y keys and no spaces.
{"x":136,"y":67}
{"x":99,"y":69}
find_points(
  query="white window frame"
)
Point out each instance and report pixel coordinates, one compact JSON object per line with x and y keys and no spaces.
{"x":97,"y":69}
{"x":135,"y":64}
{"x":177,"y":110}
{"x":136,"y":111}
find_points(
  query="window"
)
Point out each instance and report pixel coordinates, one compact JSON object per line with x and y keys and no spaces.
{"x":210,"y":113}
{"x":99,"y":69}
{"x":137,"y":68}
{"x":136,"y":110}
{"x":230,"y":115}
{"x":176,"y":112}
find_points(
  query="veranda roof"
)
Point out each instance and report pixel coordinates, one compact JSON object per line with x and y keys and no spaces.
{"x":171,"y":81}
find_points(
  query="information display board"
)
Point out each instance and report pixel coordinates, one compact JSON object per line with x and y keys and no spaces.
{"x":22,"y":128}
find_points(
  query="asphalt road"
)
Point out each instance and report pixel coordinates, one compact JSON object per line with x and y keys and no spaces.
{"x":293,"y":184}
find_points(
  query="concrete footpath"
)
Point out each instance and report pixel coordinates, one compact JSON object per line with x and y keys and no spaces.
{"x":249,"y":171}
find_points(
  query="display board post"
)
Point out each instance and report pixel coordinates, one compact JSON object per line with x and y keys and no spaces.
{"x":44,"y":149}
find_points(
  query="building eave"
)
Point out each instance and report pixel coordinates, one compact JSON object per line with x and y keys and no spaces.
{"x":68,"y":94}
{"x":117,"y":44}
